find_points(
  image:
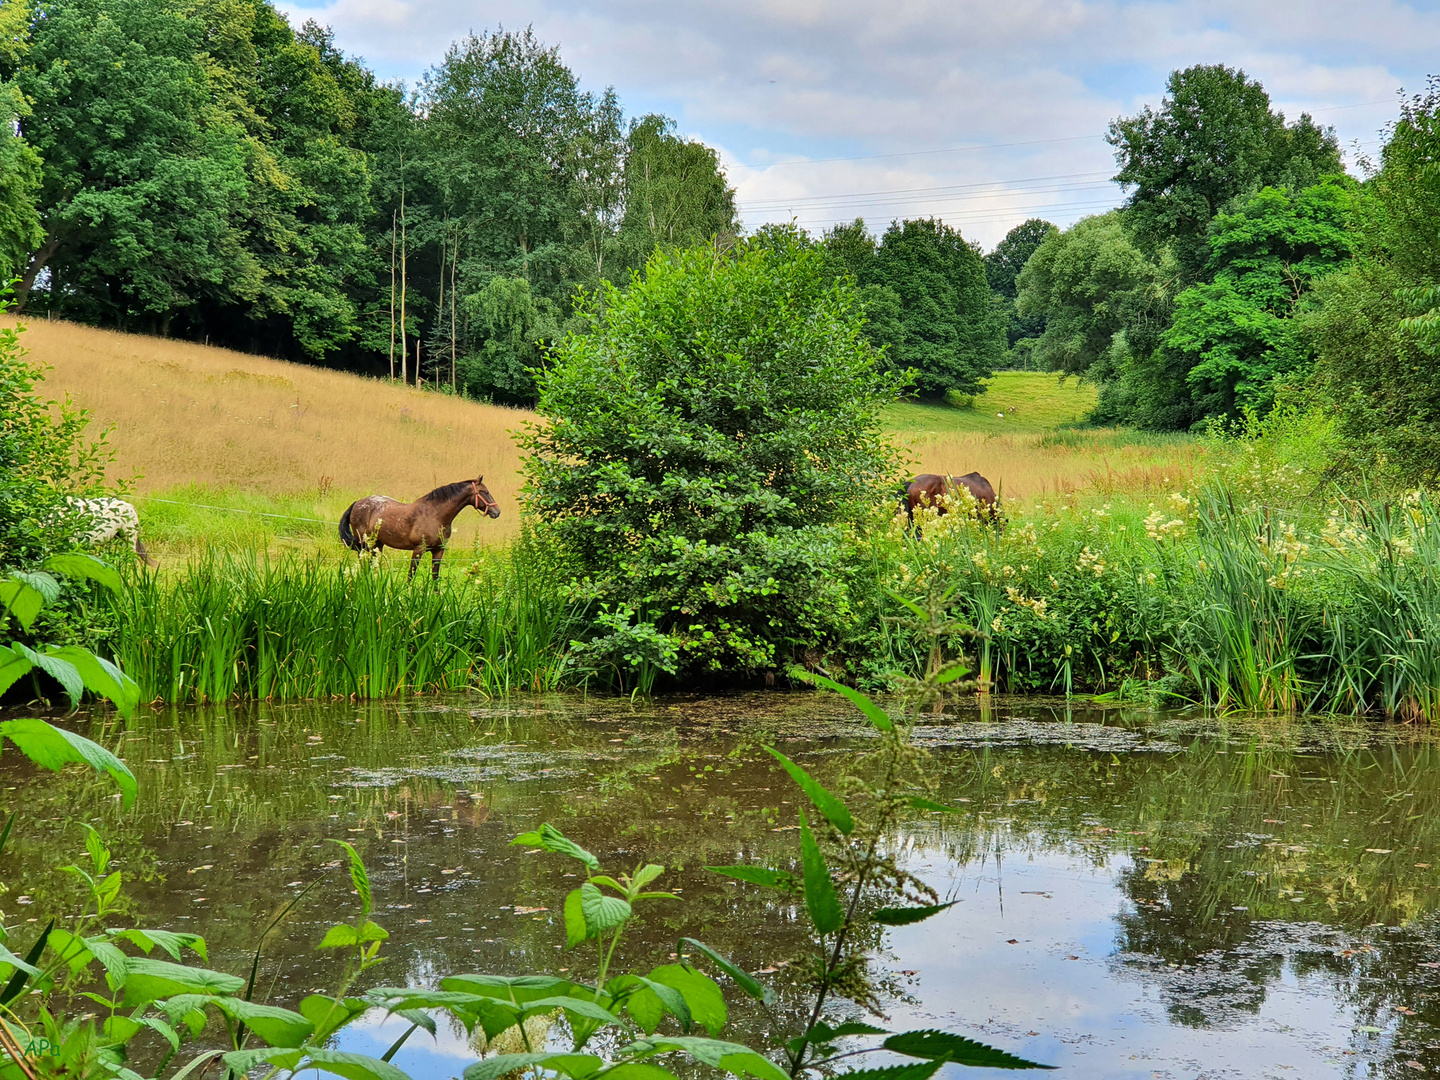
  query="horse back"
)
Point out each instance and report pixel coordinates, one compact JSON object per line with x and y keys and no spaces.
{"x":978,"y":486}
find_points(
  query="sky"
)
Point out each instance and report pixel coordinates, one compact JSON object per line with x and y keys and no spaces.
{"x":979,"y":113}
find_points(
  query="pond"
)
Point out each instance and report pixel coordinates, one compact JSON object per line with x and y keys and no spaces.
{"x":1139,"y":895}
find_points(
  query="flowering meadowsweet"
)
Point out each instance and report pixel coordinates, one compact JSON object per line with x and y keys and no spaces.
{"x":1091,"y":560}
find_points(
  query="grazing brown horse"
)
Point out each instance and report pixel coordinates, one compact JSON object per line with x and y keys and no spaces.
{"x":378,"y":522}
{"x":927,"y":489}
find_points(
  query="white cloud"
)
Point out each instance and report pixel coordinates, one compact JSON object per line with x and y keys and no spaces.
{"x":775,"y":80}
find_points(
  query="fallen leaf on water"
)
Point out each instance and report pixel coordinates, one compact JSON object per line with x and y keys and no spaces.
{"x":528,"y":910}
{"x":1012,"y":941}
{"x":1032,"y":1034}
{"x":911,"y":973}
{"x":1027,"y":892}
{"x":1072,"y":958}
{"x":1414,"y":1064}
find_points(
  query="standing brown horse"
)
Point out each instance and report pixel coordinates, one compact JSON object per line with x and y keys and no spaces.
{"x":379,"y":522}
{"x":927,"y":489}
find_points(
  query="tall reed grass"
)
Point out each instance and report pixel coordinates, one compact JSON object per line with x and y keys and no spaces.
{"x":246,"y":625}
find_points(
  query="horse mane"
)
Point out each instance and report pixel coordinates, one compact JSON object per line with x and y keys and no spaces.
{"x":446,"y":492}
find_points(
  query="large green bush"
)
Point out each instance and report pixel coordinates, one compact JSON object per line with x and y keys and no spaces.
{"x":703,"y":446}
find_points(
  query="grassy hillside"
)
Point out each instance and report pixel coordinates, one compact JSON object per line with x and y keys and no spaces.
{"x":209,"y":427}
{"x":1030,"y":451}
{"x":236,"y":449}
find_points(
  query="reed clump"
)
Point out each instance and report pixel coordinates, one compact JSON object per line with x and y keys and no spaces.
{"x":248,"y":625}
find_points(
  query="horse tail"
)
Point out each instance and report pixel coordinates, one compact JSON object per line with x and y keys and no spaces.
{"x":346,"y":536}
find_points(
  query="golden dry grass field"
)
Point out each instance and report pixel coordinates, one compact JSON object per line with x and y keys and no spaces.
{"x":202,"y":425}
{"x":280,"y":449}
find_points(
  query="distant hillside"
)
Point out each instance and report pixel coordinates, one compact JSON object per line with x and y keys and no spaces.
{"x":207,"y":425}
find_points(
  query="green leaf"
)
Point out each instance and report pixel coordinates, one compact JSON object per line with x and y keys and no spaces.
{"x":647,"y":1002}
{"x":757,"y":875}
{"x":832,"y":808}
{"x":518,"y":988}
{"x":358,"y":876}
{"x":897,"y":1072}
{"x":14,"y":665}
{"x":574,"y":1065}
{"x":732,"y":1057}
{"x":602,"y":912}
{"x":100,"y":676}
{"x":864,"y":704}
{"x":338,"y":1062}
{"x":171,"y":942}
{"x":550,"y":839}
{"x":575,"y":929}
{"x":823,"y":1032}
{"x":21,"y":977}
{"x":168,"y":1033}
{"x":646,"y":874}
{"x":70,"y":949}
{"x":329,"y":1015}
{"x":277,"y":1026}
{"x":118,"y":1029}
{"x":198,"y":1062}
{"x":904,"y":916}
{"x":113,"y":960}
{"x":150,"y":980}
{"x":949,"y":674}
{"x":820,"y":898}
{"x":572,"y":1005}
{"x":51,"y":748}
{"x":19,"y":594}
{"x":944,"y":1046}
{"x":921,"y":803}
{"x":77,"y":564}
{"x":343,"y":936}
{"x":747,"y":982}
{"x":702,"y":995}
{"x":16,"y":963}
{"x":62,"y":671}
{"x":639,"y":1070}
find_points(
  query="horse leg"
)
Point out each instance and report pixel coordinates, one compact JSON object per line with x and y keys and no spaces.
{"x":435,"y":557}
{"x":414,"y":562}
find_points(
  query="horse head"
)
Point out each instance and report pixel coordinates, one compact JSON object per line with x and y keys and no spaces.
{"x":484,"y":501}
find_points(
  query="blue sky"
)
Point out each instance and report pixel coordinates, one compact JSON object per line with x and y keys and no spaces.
{"x":983,"y":114}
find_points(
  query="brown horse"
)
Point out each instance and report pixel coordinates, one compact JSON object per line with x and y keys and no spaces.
{"x":927,"y":489}
{"x":379,"y":522}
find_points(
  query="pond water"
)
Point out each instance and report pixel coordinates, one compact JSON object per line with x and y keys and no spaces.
{"x":1139,"y":896}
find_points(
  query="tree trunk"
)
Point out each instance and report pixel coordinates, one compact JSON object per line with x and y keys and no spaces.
{"x":38,"y":261}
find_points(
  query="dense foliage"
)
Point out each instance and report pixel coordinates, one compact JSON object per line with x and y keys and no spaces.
{"x":703,"y":443}
{"x":207,"y":171}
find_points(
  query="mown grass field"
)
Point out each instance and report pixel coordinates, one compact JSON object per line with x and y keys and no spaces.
{"x":244,"y":451}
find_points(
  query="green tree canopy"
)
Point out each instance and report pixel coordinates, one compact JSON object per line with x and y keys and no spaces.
{"x":20,"y":170}
{"x":676,"y":194}
{"x":1002,"y":270}
{"x":702,"y":444}
{"x":1236,"y":334}
{"x":1214,"y":137}
{"x":1378,"y":366}
{"x":952,"y":330}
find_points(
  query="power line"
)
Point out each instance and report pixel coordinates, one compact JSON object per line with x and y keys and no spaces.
{"x":919,"y":153}
{"x":941,"y":188}
{"x":827,"y":204}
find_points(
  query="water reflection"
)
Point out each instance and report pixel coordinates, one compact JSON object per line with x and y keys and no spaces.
{"x":1139,"y":897}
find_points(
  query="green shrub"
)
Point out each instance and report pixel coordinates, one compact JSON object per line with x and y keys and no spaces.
{"x":704,"y":445}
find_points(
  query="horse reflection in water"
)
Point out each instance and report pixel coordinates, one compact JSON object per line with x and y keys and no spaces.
{"x":932,"y":489}
{"x":377,"y":522}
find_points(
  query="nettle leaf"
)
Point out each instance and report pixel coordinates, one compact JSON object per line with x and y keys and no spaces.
{"x":277,"y":1026}
{"x":171,"y":942}
{"x":921,"y":1071}
{"x":52,"y":748}
{"x":747,"y":982}
{"x":647,"y":1002}
{"x":942,"y":1046}
{"x":77,"y":564}
{"x":639,"y":1070}
{"x":329,"y":1015}
{"x":338,"y":1062}
{"x":14,"y":665}
{"x":573,"y":1006}
{"x":731,"y":1057}
{"x":875,"y":714}
{"x":575,"y":929}
{"x":549,"y":838}
{"x":602,"y":912}
{"x":904,"y":916}
{"x":823,"y":1032}
{"x":757,"y":875}
{"x":646,"y":874}
{"x":100,"y":676}
{"x":573,"y":1065}
{"x":702,"y":995}
{"x":343,"y":935}
{"x":358,"y":876}
{"x":834,"y":811}
{"x":113,"y":960}
{"x":150,"y":980}
{"x":820,"y":898}
{"x":19,"y":593}
{"x":518,"y":988}
{"x":59,"y":669}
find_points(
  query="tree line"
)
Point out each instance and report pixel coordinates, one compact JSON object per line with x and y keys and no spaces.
{"x":1246,"y":269}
